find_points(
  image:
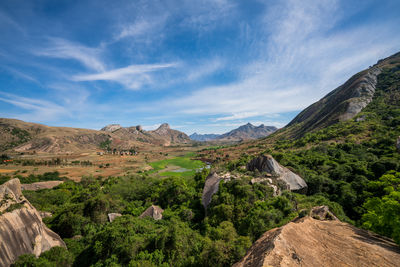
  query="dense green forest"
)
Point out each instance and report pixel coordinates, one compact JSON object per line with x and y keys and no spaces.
{"x":353,"y":167}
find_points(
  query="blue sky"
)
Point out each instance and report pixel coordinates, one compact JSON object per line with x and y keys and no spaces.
{"x":204,"y":66}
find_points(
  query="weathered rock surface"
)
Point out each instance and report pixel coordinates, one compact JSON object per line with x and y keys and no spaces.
{"x":21,"y":228}
{"x":322,"y":213}
{"x":266,"y":163}
{"x":310,"y":242}
{"x":169,"y":135}
{"x":247,"y":132}
{"x":111,"y":127}
{"x":211,"y":187}
{"x":154,"y":212}
{"x":341,"y":104}
{"x":112,"y":216}
{"x":41,"y":185}
{"x":45,"y":214}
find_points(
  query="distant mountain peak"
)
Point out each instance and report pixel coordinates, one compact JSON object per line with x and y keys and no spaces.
{"x":164,"y":126}
{"x":244,"y":132}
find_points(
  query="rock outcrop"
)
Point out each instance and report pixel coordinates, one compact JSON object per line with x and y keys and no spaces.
{"x":311,"y":242}
{"x":322,"y":213}
{"x":154,"y":212}
{"x":41,"y":185}
{"x":266,"y":163}
{"x":341,"y":104}
{"x":169,"y":135}
{"x":112,"y":216}
{"x":211,"y":187}
{"x":111,"y":128}
{"x":21,"y":228}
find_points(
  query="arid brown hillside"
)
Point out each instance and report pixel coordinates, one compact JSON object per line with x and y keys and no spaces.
{"x":23,"y":136}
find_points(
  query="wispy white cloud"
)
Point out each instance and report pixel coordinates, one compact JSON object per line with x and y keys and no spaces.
{"x":206,"y":15}
{"x":237,"y":116}
{"x":7,"y":20}
{"x":20,"y":74}
{"x":205,"y":68}
{"x":61,"y":48}
{"x":133,"y":76}
{"x":143,"y":27}
{"x":301,"y":61}
{"x":38,"y":109}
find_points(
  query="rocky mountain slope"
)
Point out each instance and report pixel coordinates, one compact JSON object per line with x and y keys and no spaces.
{"x":203,"y":137}
{"x":163,"y":135}
{"x":315,"y":241}
{"x":23,"y":136}
{"x":21,"y":228}
{"x":244,"y":132}
{"x":343,"y":103}
{"x":169,"y":135}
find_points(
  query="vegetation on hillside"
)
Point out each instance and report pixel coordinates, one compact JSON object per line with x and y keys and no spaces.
{"x":353,"y":167}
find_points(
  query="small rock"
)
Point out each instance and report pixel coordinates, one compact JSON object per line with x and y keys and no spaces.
{"x":154,"y":212}
{"x":323,"y":213}
{"x":45,"y":214}
{"x":112,"y":216}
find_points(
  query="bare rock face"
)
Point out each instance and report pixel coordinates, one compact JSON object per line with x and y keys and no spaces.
{"x":342,"y":104}
{"x":154,"y":212}
{"x":311,"y":242}
{"x":41,"y":185}
{"x":111,"y":127}
{"x":112,"y":216}
{"x":211,"y":187}
{"x":268,"y":164}
{"x":21,"y":228}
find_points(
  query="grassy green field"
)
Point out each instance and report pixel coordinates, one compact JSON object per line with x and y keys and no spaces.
{"x":180,"y":166}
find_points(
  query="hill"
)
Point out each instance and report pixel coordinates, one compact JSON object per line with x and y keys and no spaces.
{"x":343,"y":103}
{"x":203,"y":137}
{"x":20,"y":136}
{"x":23,"y":136}
{"x":244,"y":132}
{"x":247,"y":132}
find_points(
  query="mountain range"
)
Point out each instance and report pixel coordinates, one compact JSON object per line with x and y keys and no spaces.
{"x":244,"y":132}
{"x":23,"y":136}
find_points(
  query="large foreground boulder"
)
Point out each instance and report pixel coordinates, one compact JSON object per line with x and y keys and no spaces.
{"x":266,"y":163}
{"x":21,"y":228}
{"x":329,"y":242}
